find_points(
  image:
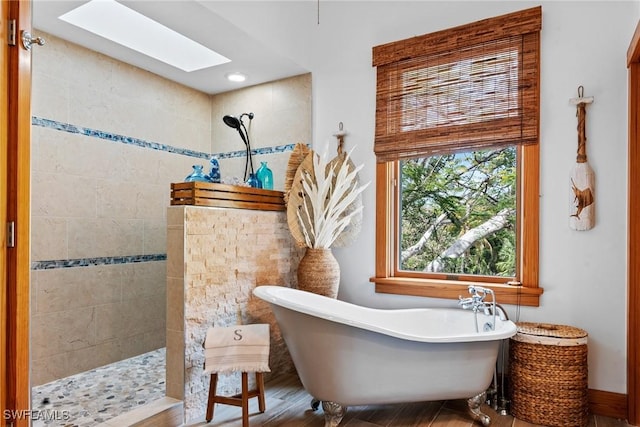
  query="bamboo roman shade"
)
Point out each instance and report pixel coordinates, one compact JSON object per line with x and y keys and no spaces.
{"x":465,"y":88}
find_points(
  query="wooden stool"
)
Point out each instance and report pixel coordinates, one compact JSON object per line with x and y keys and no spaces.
{"x":239,"y":399}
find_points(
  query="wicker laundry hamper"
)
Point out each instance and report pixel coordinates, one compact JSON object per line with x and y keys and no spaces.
{"x":548,"y":374}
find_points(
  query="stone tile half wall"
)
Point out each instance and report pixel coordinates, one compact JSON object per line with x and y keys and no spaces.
{"x":215,"y":258}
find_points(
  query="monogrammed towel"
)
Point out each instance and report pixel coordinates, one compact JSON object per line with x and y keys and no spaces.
{"x":243,"y":348}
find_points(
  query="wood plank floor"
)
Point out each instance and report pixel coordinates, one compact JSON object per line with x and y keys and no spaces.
{"x":288,"y":404}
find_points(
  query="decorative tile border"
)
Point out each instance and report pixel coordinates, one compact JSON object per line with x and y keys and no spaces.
{"x":113,"y":137}
{"x":264,"y":150}
{"x":91,"y":262}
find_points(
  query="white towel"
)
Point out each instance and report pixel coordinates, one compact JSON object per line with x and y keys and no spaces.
{"x":243,"y":348}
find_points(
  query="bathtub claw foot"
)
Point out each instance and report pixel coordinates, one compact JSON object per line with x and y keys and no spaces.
{"x":333,"y":413}
{"x":474,"y":409}
{"x":315,"y":404}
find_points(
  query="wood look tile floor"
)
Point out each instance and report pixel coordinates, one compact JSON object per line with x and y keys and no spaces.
{"x":288,"y":404}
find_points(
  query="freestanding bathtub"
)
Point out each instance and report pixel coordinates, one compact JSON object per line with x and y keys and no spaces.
{"x":348,"y":355}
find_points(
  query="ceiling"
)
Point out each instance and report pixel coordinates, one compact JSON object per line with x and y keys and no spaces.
{"x":196,"y":19}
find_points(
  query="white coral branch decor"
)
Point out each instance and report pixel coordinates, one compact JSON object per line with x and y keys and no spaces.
{"x":327,"y":194}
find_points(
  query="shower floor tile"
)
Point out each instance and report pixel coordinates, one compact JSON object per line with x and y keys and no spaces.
{"x":90,"y":398}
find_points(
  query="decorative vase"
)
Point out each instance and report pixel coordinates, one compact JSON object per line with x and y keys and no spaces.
{"x":265,"y":175}
{"x":197,"y":175}
{"x":214,"y":174}
{"x":253,"y":181}
{"x":319,"y":272}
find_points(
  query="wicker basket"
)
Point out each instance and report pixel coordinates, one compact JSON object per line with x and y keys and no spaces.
{"x":549,"y":375}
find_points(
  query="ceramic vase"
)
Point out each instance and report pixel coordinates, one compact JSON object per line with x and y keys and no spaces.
{"x":319,"y":272}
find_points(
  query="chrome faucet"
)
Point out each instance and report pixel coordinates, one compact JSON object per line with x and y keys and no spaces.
{"x":476,"y":302}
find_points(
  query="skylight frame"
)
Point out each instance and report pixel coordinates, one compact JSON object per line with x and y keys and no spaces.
{"x":118,"y":23}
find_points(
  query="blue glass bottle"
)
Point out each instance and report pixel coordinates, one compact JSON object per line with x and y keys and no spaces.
{"x":265,"y":175}
{"x":253,"y":181}
{"x":197,"y":175}
{"x":214,"y":173}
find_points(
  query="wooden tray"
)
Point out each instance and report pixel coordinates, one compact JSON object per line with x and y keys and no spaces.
{"x":226,"y":196}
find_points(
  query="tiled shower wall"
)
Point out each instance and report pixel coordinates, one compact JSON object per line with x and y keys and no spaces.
{"x":282,"y":118}
{"x":107,"y":141}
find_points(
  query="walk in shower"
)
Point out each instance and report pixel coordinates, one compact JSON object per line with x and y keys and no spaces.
{"x":108,"y":139}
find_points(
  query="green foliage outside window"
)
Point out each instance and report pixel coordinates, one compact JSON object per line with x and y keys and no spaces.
{"x":458,"y":213}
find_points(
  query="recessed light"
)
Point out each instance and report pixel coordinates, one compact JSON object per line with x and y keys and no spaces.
{"x":236,"y":77}
{"x":125,"y":26}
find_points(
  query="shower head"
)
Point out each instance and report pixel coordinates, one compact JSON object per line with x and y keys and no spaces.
{"x":231,"y":121}
{"x":235,"y":122}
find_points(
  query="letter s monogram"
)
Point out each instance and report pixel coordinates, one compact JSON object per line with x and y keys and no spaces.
{"x":237,"y":337}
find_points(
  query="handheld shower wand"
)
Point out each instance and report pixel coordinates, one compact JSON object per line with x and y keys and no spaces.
{"x":236,"y":123}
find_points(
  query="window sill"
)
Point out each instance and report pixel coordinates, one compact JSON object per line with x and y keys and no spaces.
{"x":505,"y":294}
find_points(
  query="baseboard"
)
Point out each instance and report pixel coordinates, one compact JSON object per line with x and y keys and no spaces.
{"x":608,"y":404}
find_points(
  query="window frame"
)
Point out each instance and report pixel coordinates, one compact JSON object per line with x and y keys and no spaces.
{"x":390,"y":148}
{"x":388,"y":280}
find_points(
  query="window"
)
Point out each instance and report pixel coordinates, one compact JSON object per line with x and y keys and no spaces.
{"x":457,"y":214}
{"x":457,"y":183}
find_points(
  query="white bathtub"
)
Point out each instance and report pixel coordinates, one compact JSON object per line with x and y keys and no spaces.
{"x":348,"y":355}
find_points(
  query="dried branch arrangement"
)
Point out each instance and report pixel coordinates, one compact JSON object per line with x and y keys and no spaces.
{"x":324,"y":200}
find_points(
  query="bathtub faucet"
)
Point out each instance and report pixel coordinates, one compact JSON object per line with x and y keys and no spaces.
{"x":476,"y":302}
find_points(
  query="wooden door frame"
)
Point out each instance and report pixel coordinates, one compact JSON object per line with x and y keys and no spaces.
{"x":633,"y":233}
{"x":16,"y":200}
{"x":4,"y":112}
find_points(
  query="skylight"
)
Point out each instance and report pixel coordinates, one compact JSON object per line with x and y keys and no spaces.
{"x":118,"y":23}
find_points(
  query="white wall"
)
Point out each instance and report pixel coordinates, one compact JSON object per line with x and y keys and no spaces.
{"x":583,"y":43}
